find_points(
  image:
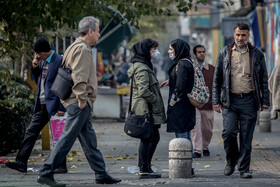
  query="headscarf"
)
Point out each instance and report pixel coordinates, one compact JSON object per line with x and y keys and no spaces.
{"x":142,"y":52}
{"x":182,"y":49}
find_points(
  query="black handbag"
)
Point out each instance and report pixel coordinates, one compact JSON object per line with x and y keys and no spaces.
{"x":63,"y":83}
{"x":138,"y":126}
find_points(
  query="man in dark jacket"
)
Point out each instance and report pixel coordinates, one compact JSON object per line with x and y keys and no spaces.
{"x":44,"y":69}
{"x":240,"y":89}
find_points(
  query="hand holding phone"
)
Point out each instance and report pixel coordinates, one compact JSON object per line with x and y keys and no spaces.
{"x":36,"y":61}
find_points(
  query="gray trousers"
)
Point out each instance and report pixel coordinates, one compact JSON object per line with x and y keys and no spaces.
{"x":77,"y":124}
{"x":239,"y":118}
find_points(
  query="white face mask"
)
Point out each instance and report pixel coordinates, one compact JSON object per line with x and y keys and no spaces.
{"x":155,"y":54}
{"x":171,"y":55}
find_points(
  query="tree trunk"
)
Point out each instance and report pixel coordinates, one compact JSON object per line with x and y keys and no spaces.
{"x":17,"y":67}
{"x":23,"y":64}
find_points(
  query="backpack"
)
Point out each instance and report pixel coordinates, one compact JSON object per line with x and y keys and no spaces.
{"x":200,"y":94}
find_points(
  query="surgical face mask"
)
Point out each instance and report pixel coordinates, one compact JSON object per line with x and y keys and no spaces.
{"x":155,"y":54}
{"x":171,"y":55}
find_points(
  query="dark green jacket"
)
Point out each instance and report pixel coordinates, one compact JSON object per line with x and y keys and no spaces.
{"x":146,"y":90}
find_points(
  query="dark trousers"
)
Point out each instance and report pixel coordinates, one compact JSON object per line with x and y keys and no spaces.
{"x":77,"y":125}
{"x":147,"y":148}
{"x":39,"y":119}
{"x":239,"y":118}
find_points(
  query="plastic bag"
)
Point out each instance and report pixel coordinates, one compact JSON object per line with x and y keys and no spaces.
{"x":57,"y":125}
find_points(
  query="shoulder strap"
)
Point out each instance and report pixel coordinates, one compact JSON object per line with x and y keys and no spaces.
{"x":131,"y":90}
{"x":66,"y":54}
{"x":131,"y":87}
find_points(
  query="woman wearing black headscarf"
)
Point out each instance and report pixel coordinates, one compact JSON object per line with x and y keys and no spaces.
{"x":146,"y":92}
{"x":180,"y":112}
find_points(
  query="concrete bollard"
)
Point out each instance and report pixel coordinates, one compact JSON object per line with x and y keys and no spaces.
{"x":264,"y":121}
{"x":180,"y":155}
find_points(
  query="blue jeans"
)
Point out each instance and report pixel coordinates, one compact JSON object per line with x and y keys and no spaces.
{"x":186,"y":135}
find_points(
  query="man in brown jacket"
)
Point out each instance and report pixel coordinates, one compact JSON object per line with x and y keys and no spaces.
{"x":203,"y":129}
{"x":78,"y":58}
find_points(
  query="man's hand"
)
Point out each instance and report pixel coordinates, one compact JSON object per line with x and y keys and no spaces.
{"x":165,"y":83}
{"x":82,"y":104}
{"x":264,"y":107}
{"x":60,"y":113}
{"x":36,"y":61}
{"x":217,"y":108}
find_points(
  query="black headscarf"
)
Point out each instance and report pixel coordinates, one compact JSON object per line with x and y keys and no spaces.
{"x":182,"y":49}
{"x":142,"y":52}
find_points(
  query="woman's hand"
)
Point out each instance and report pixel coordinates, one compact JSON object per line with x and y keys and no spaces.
{"x":165,"y":83}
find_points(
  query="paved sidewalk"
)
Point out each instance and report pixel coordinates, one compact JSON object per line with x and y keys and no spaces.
{"x":120,"y":152}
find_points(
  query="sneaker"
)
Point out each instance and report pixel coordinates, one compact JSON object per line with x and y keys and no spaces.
{"x":19,"y":166}
{"x":246,"y":175}
{"x":148,"y":173}
{"x":196,"y":155}
{"x":229,"y":170}
{"x":206,"y":153}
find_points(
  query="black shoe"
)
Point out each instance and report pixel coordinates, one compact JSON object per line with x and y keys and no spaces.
{"x":107,"y":180}
{"x":193,"y":175}
{"x":61,"y":169}
{"x":50,"y":182}
{"x":229,"y":170}
{"x":206,"y":153}
{"x":196,"y":155}
{"x":148,"y":173}
{"x":246,"y":175}
{"x":21,"y":167}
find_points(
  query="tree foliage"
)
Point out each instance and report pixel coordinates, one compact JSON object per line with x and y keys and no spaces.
{"x":23,"y":20}
{"x":16,"y":105}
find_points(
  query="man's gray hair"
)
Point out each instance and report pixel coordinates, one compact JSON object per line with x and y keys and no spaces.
{"x":87,"y":23}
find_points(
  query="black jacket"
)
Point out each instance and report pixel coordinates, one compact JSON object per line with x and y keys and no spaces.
{"x":222,"y":77}
{"x":181,"y":116}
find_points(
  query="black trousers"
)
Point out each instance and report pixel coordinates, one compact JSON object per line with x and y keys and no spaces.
{"x":39,"y":119}
{"x":147,"y":148}
{"x":239,"y":118}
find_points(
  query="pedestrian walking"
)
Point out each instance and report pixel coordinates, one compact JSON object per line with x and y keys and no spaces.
{"x":146,"y":97}
{"x":240,"y":89}
{"x":180,"y":112}
{"x":78,"y":58}
{"x":203,"y":129}
{"x":44,"y":69}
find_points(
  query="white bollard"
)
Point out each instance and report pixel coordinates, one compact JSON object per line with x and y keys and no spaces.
{"x":264,"y":121}
{"x":180,"y":155}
